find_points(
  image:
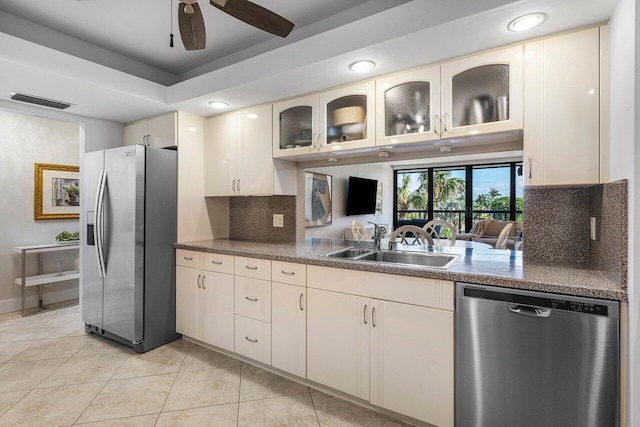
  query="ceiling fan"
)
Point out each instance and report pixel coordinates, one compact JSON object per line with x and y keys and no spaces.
{"x":191,"y":23}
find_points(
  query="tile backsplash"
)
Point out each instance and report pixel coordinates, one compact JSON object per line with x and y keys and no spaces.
{"x":557,"y":227}
{"x":251,"y":219}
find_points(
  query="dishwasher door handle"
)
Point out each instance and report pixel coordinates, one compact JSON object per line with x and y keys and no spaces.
{"x":526,"y":310}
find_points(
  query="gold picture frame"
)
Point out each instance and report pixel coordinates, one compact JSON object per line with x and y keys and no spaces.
{"x":56,"y":192}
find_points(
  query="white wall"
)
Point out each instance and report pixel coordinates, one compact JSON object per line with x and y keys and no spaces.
{"x":94,"y":134}
{"x":26,"y":140}
{"x":625,"y":119}
{"x":341,"y":174}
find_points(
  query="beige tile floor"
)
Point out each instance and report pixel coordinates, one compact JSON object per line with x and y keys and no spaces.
{"x":53,"y":374}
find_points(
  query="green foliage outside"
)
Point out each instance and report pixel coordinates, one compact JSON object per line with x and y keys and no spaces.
{"x":448,"y":194}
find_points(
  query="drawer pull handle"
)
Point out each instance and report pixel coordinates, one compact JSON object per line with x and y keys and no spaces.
{"x":199,"y":277}
{"x":301,"y":306}
{"x":251,"y":299}
{"x":216,"y":262}
{"x":289,"y":273}
{"x":250,"y":268}
{"x":251,"y":339}
{"x":188,"y":258}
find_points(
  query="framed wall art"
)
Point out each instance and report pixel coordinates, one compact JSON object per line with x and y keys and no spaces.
{"x":56,"y":192}
{"x":317,"y":199}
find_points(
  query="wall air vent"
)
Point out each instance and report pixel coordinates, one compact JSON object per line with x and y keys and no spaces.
{"x":59,"y":105}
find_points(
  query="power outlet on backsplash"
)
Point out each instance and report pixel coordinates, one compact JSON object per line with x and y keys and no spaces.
{"x":278,"y":220}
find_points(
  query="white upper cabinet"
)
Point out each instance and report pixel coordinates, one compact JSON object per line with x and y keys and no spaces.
{"x":156,"y":132}
{"x":135,"y":133}
{"x":562,"y":109}
{"x":254,"y":163}
{"x":482,"y":93}
{"x":408,"y":107}
{"x":347,"y":118}
{"x":238,"y":156}
{"x":220,"y":154}
{"x":295,"y":126}
{"x":339,"y":119}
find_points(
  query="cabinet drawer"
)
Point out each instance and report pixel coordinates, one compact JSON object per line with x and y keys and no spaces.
{"x":186,"y":258}
{"x":253,"y":298}
{"x":253,"y":339}
{"x":288,"y":272}
{"x":253,"y":267}
{"x":218,"y":263}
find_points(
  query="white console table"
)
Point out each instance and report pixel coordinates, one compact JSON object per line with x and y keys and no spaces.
{"x":44,"y":278}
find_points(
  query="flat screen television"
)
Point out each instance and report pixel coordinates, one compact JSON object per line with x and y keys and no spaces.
{"x":361,"y":196}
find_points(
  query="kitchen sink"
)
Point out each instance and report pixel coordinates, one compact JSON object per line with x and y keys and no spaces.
{"x":349,"y":253}
{"x":430,"y":260}
{"x":412,"y":258}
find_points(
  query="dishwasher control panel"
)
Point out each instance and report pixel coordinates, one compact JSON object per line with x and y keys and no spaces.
{"x":534,"y":301}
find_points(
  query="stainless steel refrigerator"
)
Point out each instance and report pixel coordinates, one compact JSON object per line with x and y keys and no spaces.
{"x":128,"y":273}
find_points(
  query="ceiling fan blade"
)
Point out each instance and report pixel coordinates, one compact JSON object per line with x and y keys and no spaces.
{"x":191,"y":26}
{"x":255,"y":15}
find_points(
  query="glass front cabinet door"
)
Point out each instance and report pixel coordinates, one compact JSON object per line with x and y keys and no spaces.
{"x":347,"y":118}
{"x":408,"y":107}
{"x":482,"y":93}
{"x":295,"y":126}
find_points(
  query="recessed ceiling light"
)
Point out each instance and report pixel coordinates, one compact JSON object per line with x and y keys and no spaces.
{"x":252,"y":116}
{"x":219,"y":105}
{"x":362,"y":66}
{"x":526,"y":22}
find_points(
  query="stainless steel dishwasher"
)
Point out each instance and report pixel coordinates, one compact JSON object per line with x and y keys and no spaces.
{"x":535,"y":359}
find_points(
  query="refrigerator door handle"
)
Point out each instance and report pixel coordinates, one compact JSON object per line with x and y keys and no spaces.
{"x":98,"y":229}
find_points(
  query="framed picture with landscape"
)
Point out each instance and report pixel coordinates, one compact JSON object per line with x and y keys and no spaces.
{"x":56,"y":192}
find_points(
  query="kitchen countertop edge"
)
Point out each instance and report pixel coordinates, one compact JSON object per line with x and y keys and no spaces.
{"x":554,"y":278}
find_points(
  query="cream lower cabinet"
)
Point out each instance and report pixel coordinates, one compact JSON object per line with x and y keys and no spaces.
{"x":289,"y":317}
{"x":338,"y":341}
{"x":411,"y":361}
{"x":205,"y":299}
{"x":289,"y":328}
{"x":395,"y":355}
{"x":189,"y":301}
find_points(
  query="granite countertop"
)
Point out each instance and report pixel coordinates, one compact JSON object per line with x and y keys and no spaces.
{"x":482,"y":266}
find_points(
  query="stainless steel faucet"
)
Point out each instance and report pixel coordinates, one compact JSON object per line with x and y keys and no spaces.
{"x":377,"y":235}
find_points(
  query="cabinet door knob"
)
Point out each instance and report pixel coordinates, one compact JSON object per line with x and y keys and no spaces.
{"x":204,"y":281}
{"x":364,"y":314}
{"x":238,"y":185}
{"x":216,"y":262}
{"x":288,"y":273}
{"x":436,"y":125}
{"x":251,"y":299}
{"x":233,"y":185}
{"x":444,"y":119}
{"x":199,"y":278}
{"x":301,"y":306}
{"x":530,"y":172}
{"x":254,"y":340}
{"x":373,"y":317}
{"x":188,"y":258}
{"x":250,"y":268}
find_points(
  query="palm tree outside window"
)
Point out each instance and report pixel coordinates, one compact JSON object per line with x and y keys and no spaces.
{"x":461,"y":195}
